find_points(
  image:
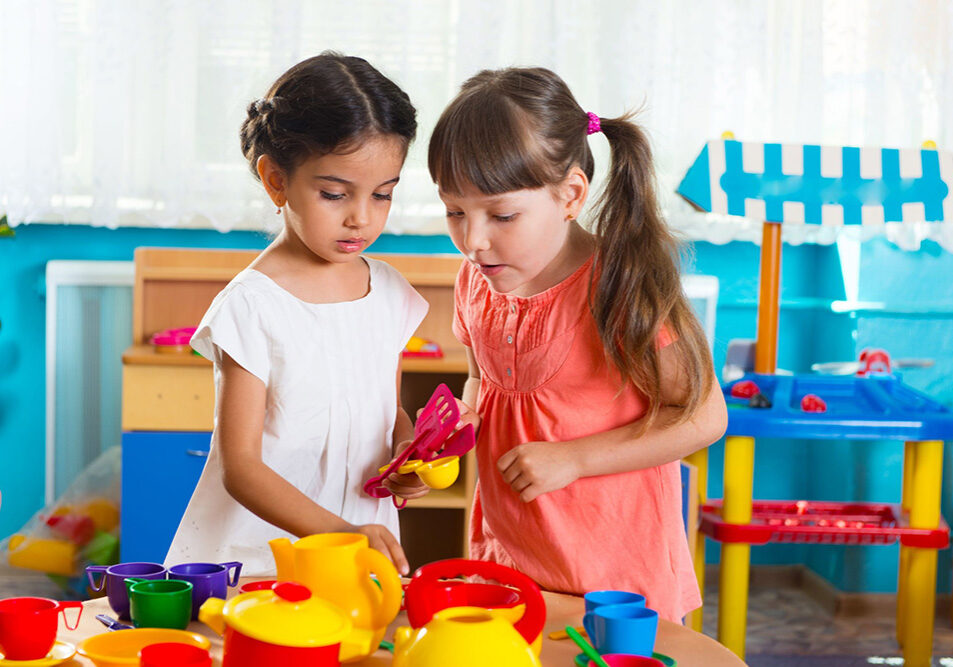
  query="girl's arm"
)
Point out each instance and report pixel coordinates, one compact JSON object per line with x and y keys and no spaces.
{"x":260,"y":489}
{"x":471,"y":393}
{"x":532,"y":469}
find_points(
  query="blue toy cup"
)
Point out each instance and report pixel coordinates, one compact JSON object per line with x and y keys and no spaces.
{"x":624,"y":628}
{"x":596,"y":599}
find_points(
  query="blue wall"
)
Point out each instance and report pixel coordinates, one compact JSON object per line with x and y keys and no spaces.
{"x":810,"y":332}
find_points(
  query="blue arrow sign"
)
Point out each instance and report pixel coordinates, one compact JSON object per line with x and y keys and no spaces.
{"x":827,"y":185}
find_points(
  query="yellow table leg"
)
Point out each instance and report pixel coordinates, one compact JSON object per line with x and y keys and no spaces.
{"x":735,"y":558}
{"x":920,"y":594}
{"x":700,"y":460}
{"x":909,"y":458}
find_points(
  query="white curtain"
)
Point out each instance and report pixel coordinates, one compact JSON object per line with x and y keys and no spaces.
{"x":127,"y":113}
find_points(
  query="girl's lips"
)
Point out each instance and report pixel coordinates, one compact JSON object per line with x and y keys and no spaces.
{"x":350,"y":245}
{"x":491,"y":269}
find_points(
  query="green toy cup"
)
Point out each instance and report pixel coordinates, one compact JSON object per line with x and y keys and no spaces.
{"x":160,"y":603}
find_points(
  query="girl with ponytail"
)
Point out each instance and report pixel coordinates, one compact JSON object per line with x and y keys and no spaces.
{"x":590,"y":377}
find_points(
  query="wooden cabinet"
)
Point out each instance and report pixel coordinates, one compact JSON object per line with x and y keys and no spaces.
{"x":170,"y":397}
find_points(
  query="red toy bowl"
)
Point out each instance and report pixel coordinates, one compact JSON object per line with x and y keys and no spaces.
{"x":623,"y":660}
{"x":173,"y":654}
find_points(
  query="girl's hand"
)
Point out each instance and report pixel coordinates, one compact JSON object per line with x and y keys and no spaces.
{"x":381,"y":539}
{"x":535,"y":468}
{"x":407,"y":486}
{"x":468,"y":416}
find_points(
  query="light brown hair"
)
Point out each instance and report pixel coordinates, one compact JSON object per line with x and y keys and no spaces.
{"x":519,"y":128}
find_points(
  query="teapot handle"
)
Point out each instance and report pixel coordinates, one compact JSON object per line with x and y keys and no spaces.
{"x":529,"y":626}
{"x":377,"y":563}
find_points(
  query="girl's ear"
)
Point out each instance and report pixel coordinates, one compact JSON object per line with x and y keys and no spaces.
{"x":273,"y":178}
{"x":574,"y":190}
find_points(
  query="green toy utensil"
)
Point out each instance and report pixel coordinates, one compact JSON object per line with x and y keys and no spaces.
{"x":586,"y":647}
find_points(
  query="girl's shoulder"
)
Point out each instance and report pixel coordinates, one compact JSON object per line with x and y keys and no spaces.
{"x":385,"y":276}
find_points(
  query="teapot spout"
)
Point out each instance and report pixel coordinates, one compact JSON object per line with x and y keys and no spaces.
{"x":283,"y":552}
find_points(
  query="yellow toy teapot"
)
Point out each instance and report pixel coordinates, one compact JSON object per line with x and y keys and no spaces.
{"x":463,"y":637}
{"x":446,"y":634}
{"x":338,"y":568}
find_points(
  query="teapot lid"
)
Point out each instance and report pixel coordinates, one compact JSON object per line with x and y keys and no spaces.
{"x":287,"y":615}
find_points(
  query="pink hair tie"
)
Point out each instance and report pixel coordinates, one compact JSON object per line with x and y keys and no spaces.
{"x":594,"y":124}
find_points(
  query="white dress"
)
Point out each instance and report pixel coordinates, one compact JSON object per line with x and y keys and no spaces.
{"x":330,"y":373}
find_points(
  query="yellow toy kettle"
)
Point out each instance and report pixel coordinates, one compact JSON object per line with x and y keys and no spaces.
{"x":463,"y":637}
{"x":338,"y":568}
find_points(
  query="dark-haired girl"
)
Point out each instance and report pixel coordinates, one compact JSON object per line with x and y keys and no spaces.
{"x":589,"y":375}
{"x":306,"y":341}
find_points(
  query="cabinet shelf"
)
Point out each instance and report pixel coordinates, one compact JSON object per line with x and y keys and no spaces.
{"x":454,"y":497}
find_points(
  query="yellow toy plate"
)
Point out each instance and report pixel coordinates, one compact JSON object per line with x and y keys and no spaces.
{"x":62,"y":651}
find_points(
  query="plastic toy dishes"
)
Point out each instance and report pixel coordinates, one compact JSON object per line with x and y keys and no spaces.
{"x":434,"y":454}
{"x":422,"y":348}
{"x":173,"y":341}
{"x":61,"y":652}
{"x":121,"y":648}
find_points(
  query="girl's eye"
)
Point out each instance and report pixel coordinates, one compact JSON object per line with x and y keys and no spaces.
{"x":331,"y":195}
{"x":454,"y":214}
{"x":505,"y":218}
{"x":382,"y":197}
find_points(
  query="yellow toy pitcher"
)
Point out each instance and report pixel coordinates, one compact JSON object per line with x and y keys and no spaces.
{"x":338,"y":568}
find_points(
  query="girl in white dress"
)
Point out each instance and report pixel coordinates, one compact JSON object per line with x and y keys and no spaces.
{"x":306,"y":341}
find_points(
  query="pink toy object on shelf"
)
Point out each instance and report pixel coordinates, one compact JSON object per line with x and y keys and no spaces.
{"x":173,"y":341}
{"x":434,"y":438}
{"x":422,"y":348}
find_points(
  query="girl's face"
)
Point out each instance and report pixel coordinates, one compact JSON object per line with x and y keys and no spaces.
{"x":337,"y":204}
{"x":518,"y":239}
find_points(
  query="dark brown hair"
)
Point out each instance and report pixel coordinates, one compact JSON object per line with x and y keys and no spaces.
{"x":325,"y":104}
{"x":519,"y":128}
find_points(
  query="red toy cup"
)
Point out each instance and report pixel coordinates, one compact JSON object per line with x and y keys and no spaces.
{"x":173,"y":654}
{"x":28,"y":626}
{"x":623,"y":660}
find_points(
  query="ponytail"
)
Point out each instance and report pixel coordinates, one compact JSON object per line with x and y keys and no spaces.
{"x":638,"y":290}
{"x":518,"y":128}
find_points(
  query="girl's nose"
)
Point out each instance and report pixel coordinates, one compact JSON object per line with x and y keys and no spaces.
{"x":475,"y":236}
{"x":357,"y":216}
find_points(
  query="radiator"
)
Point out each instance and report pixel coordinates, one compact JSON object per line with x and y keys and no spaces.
{"x":88,"y":326}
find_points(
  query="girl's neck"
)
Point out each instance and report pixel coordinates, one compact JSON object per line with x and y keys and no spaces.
{"x":298,"y":270}
{"x":576,"y":250}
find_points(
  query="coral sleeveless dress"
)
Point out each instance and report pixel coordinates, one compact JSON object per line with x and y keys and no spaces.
{"x":545,"y":377}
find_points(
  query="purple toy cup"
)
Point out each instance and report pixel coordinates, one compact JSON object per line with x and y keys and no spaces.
{"x":114,"y":579}
{"x":209,"y":580}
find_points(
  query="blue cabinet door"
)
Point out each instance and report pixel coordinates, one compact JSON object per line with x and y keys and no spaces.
{"x":159,"y":473}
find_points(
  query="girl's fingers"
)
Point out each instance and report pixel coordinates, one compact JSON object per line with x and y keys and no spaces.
{"x":520,"y":483}
{"x":397,"y":554}
{"x":510,"y":474}
{"x":506,"y":460}
{"x":529,"y":494}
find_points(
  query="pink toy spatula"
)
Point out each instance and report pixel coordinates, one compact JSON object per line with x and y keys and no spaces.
{"x":434,"y":424}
